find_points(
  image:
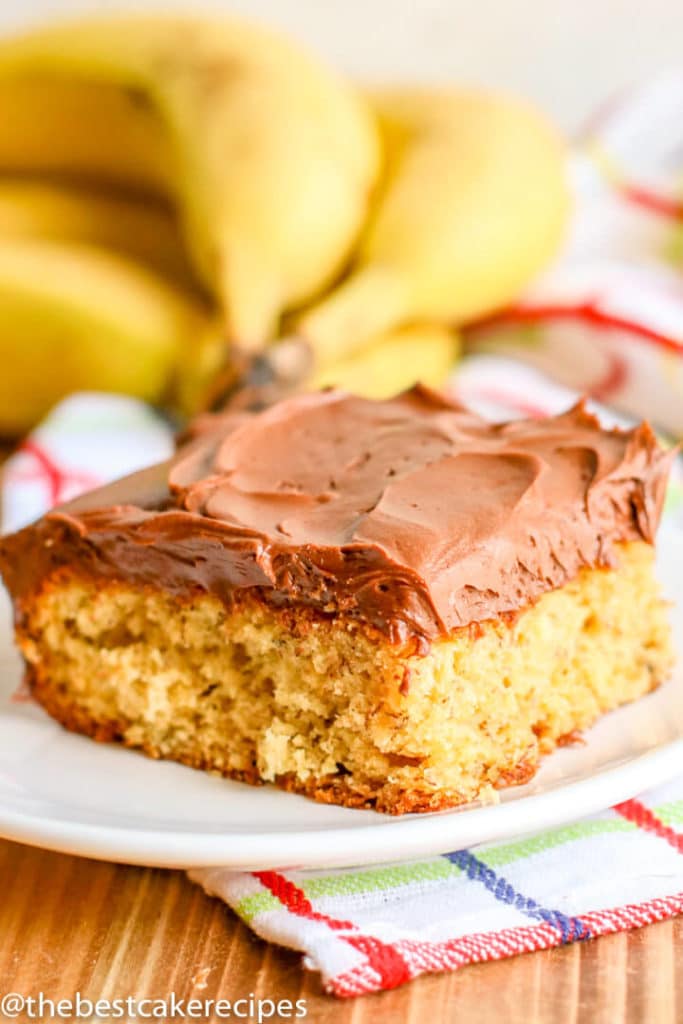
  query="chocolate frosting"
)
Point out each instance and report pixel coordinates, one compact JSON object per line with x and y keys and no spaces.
{"x":412,"y":515}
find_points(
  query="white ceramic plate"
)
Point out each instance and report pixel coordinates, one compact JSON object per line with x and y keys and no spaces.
{"x":67,"y":793}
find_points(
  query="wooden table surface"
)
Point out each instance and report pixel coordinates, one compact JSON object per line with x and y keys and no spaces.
{"x":108,"y":931}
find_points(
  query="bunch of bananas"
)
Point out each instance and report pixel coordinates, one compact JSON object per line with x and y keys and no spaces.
{"x":174,"y":189}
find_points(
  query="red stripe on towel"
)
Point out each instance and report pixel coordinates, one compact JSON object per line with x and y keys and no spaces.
{"x":646,"y":819}
{"x":384,"y":959}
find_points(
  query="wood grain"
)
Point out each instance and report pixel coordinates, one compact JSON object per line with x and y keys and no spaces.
{"x":68,"y":924}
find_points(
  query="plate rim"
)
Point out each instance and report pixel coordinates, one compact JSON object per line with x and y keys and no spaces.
{"x":415,"y":835}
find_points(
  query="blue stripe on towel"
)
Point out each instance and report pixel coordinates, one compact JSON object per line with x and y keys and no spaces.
{"x":572,"y":928}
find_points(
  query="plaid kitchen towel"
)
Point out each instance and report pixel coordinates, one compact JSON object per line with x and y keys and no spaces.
{"x":375,"y":928}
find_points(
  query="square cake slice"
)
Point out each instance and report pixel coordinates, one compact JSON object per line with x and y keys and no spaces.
{"x":380,"y":604}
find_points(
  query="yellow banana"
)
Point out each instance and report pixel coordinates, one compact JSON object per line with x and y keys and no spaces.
{"x":77,"y":317}
{"x":144,"y":230}
{"x":82,"y":130}
{"x":270,"y":158}
{"x":394,"y":361}
{"x":473,"y":202}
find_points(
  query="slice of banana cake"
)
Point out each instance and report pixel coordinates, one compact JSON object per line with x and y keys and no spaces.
{"x":386,"y":604}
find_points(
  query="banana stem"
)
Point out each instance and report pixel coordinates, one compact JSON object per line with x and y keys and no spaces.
{"x":373,"y":300}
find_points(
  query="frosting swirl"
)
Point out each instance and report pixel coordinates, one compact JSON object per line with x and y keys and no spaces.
{"x":413,"y":514}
